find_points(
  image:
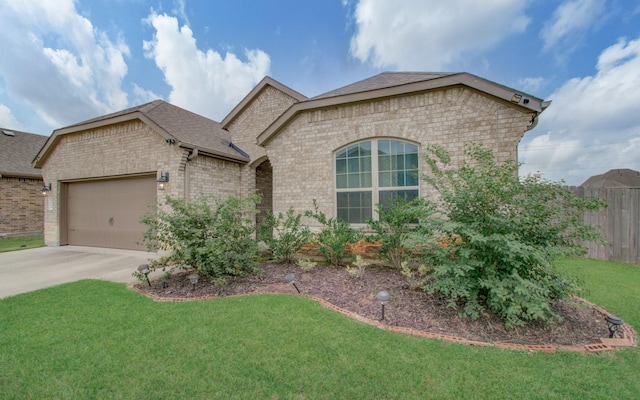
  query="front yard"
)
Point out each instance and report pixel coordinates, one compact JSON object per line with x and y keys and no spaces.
{"x":94,"y":339}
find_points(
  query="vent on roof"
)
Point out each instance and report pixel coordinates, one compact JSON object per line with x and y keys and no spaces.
{"x":8,"y":133}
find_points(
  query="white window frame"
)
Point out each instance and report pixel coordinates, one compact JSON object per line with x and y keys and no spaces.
{"x":375,"y":188}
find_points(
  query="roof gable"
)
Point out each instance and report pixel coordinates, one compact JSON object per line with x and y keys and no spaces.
{"x":615,"y":178}
{"x":255,"y":92}
{"x":17,"y":149}
{"x":189,"y":130}
{"x":389,"y":84}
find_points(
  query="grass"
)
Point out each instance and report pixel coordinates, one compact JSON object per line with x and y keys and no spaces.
{"x":20,"y":243}
{"x":95,"y":339}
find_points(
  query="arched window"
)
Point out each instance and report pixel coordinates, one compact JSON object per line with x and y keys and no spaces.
{"x":374,"y":172}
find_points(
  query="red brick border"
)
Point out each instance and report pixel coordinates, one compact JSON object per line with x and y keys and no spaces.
{"x":605,"y":344}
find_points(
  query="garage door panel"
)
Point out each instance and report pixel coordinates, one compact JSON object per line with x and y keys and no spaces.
{"x":107,"y":213}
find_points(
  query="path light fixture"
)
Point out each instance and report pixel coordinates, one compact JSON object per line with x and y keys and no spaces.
{"x":613,"y":323}
{"x":45,"y":189}
{"x":163,"y":180}
{"x":193,"y":278}
{"x":289,"y":278}
{"x":144,"y":270}
{"x":383,"y":297}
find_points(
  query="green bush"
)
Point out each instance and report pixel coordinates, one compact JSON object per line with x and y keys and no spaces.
{"x":333,"y":238}
{"x":500,"y":235}
{"x":397,"y":221}
{"x":285,"y":235}
{"x":210,"y":235}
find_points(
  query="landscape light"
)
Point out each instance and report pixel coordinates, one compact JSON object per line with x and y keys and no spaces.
{"x":383,"y":297}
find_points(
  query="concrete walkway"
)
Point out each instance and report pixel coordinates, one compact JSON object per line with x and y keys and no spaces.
{"x":27,"y":270}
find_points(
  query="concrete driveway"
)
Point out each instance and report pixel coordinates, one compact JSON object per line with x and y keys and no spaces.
{"x":26,"y":270}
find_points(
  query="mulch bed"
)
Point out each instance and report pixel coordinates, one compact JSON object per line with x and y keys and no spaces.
{"x":581,"y":324}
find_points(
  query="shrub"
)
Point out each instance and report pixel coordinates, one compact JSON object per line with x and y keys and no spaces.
{"x":284,"y":235}
{"x":357,"y":267}
{"x":333,"y":237}
{"x":210,"y":235}
{"x":306,"y":265}
{"x":501,"y":236}
{"x":397,"y":220}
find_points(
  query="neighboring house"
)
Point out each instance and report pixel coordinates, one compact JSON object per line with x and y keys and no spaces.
{"x":348,"y":149}
{"x":21,"y":205}
{"x":615,"y":178}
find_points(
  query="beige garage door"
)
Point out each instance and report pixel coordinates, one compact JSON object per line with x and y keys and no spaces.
{"x":106,"y":213}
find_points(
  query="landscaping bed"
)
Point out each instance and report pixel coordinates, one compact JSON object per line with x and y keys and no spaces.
{"x":410,"y":308}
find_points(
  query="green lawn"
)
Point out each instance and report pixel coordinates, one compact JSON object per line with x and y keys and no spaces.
{"x":21,"y":243}
{"x":94,"y":339}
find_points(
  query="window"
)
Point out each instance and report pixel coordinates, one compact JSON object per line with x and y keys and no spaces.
{"x":374,"y":172}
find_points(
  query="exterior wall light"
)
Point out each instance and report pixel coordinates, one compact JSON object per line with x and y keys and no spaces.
{"x":45,"y":189}
{"x":383,"y":297}
{"x":193,"y":278}
{"x":163,"y":180}
{"x":613,"y":323}
{"x":290,"y":278}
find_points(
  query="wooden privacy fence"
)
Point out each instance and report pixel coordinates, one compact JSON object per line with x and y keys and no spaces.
{"x":618,"y":224}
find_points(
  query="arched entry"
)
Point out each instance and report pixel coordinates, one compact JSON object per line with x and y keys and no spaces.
{"x":264,"y":186}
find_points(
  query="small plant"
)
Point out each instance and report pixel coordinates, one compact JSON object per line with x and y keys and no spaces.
{"x":357,"y":268}
{"x":398,"y":219}
{"x":333,"y":237}
{"x":416,"y":277}
{"x":306,"y":265}
{"x":284,"y":234}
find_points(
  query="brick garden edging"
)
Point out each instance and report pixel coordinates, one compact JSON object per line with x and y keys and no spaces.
{"x":604,"y":344}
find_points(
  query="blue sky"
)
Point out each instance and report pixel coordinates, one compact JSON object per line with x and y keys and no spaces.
{"x":65,"y":61}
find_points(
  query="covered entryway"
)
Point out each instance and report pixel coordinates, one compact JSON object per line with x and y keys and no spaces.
{"x":106,"y":213}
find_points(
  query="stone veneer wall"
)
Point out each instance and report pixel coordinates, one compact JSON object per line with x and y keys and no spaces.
{"x":21,"y":206}
{"x":302,"y":153}
{"x":112,"y":151}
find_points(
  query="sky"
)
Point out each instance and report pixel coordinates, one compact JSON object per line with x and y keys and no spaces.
{"x":66,"y":61}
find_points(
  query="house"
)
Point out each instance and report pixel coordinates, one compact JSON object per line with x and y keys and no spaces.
{"x":348,"y":149}
{"x":615,"y":178}
{"x":21,"y":203}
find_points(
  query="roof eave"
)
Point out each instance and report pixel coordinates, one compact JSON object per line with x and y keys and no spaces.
{"x":202,"y":151}
{"x":9,"y":174}
{"x":502,"y":92}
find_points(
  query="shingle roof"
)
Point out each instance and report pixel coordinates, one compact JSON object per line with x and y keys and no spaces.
{"x":17,"y":149}
{"x":382,"y":81}
{"x":188,"y":129}
{"x":615,"y":178}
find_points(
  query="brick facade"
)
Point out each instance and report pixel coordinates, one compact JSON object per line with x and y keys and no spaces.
{"x":21,"y":206}
{"x":264,"y":108}
{"x":301,"y":154}
{"x":126,"y":149}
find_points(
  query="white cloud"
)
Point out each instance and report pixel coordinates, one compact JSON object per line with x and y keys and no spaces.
{"x":569,"y":21}
{"x":58,"y":63}
{"x":431,"y":34}
{"x":531,"y":85}
{"x":142,"y":95}
{"x":593,"y":124}
{"x":202,"y":81}
{"x":7,"y":119}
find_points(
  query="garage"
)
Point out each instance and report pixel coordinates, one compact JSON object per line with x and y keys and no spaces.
{"x":106,"y":213}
